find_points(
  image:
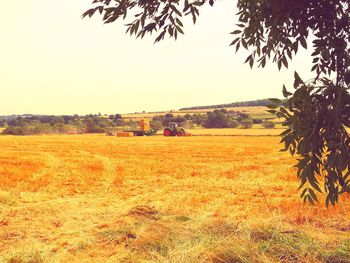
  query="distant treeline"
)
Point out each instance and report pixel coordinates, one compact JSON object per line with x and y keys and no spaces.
{"x":251,"y":103}
{"x":42,"y":124}
{"x":73,"y":124}
{"x":219,"y":118}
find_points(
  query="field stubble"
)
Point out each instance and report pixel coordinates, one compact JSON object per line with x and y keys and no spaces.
{"x":89,"y":198}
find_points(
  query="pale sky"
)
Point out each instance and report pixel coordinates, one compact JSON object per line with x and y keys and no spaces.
{"x":53,"y":62}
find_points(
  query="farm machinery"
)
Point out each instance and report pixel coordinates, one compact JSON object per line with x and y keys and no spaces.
{"x":143,"y":127}
{"x":174,"y":130}
{"x":139,"y":128}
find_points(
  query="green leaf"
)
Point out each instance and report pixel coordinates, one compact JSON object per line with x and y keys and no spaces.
{"x":89,"y":13}
{"x":178,"y":21}
{"x":236,"y":32}
{"x":175,"y":10}
{"x":244,"y":44}
{"x":315,"y":185}
{"x":197,"y":3}
{"x":237,"y":46}
{"x":303,"y":42}
{"x":251,"y":62}
{"x":297,"y":80}
{"x":285,"y":92}
{"x":295,"y":47}
{"x":313,"y":195}
{"x":234,"y":42}
{"x":327,"y":201}
{"x":303,"y":192}
{"x":285,"y":62}
{"x":179,"y":29}
{"x":272,"y":106}
{"x":283,"y":110}
{"x":275,"y":101}
{"x":272,"y":111}
{"x":286,"y":132}
{"x":248,"y":58}
{"x":310,"y":200}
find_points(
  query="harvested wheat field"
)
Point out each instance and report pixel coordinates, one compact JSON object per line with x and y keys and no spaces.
{"x":93,"y":198}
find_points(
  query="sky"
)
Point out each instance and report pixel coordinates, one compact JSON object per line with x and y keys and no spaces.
{"x":54,"y":62}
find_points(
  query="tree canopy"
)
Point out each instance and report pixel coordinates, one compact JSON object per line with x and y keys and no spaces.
{"x":317,"y":112}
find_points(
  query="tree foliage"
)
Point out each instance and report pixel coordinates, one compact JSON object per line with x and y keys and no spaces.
{"x":317,"y":112}
{"x":45,"y":124}
{"x":216,"y":119}
{"x":250,"y":103}
{"x":246,"y":123}
{"x":268,"y":124}
{"x":317,"y":115}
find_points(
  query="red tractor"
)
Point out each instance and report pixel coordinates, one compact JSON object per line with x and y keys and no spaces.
{"x":174,"y":130}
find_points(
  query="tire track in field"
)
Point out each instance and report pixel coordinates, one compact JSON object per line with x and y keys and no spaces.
{"x":109,"y":172}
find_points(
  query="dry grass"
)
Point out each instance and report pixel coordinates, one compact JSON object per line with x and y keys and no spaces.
{"x":94,"y":198}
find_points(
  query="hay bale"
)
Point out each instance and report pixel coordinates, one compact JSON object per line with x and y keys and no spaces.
{"x":125,"y":134}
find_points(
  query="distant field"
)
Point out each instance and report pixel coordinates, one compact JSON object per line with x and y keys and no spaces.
{"x":253,"y":112}
{"x":95,"y":198}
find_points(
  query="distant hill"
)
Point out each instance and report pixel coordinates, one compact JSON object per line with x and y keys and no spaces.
{"x":251,"y":103}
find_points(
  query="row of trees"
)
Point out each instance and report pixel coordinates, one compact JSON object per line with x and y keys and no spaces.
{"x":39,"y":128}
{"x":29,"y":125}
{"x":250,"y":103}
{"x":214,"y":119}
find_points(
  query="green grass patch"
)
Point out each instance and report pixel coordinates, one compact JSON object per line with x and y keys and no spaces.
{"x":285,"y":246}
{"x":340,"y":254}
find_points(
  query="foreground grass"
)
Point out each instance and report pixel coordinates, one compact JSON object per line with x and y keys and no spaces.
{"x":198,"y":199}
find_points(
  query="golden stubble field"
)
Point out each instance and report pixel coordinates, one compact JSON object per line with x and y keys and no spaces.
{"x":93,"y":198}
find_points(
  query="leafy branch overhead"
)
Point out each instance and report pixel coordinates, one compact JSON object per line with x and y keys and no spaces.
{"x":270,"y":29}
{"x":278,"y":29}
{"x":316,"y":117}
{"x":316,"y":113}
{"x":163,"y":17}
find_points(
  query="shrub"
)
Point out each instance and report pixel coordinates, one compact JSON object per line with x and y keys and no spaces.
{"x":177,"y":119}
{"x":187,"y":124}
{"x":199,"y":119}
{"x":242,"y":116}
{"x":91,"y":126}
{"x":58,"y":127}
{"x":156,"y":125}
{"x":216,"y":119}
{"x":257,"y":121}
{"x":14,"y":130}
{"x":119,"y":122}
{"x":232,"y":123}
{"x":188,"y":116}
{"x":246,"y":123}
{"x":268,"y":124}
{"x":118,"y":117}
